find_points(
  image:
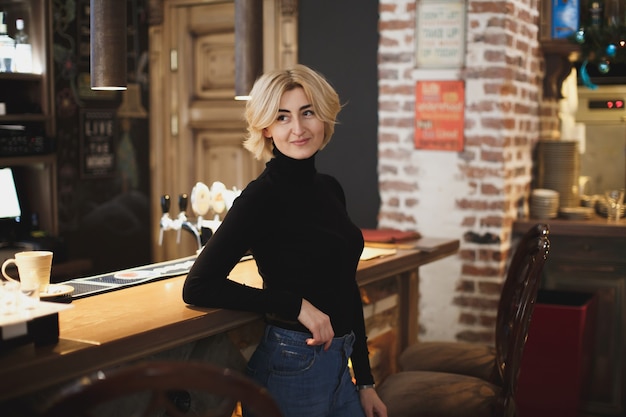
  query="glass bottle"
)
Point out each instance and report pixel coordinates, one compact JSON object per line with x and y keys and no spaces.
{"x":596,"y":11}
{"x":23,"y":60}
{"x":7,"y":46}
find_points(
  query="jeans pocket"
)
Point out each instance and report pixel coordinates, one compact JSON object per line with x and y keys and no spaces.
{"x":292,"y":359}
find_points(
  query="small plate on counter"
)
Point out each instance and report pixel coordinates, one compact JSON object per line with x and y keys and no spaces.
{"x":56,"y":290}
{"x":576,"y":213}
{"x":138,"y":274}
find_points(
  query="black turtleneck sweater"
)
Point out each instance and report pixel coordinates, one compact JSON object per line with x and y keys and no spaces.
{"x":294,"y":221}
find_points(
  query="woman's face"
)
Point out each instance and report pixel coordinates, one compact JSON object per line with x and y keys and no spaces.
{"x":296,"y":132}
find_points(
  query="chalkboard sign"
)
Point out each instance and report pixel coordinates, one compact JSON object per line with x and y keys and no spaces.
{"x":440,"y":33}
{"x":98,"y":133}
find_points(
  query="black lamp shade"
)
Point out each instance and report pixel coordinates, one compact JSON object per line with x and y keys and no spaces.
{"x":248,"y":45}
{"x":108,"y":44}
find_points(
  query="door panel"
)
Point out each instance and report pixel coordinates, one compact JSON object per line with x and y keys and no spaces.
{"x":220,"y":157}
{"x":196,"y":127}
{"x":202,"y":127}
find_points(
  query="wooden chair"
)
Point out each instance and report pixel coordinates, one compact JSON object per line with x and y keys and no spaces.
{"x":473,"y":359}
{"x":150,"y":387}
{"x":443,"y":394}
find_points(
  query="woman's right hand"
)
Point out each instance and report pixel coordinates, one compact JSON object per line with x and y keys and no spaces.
{"x":318,"y":324}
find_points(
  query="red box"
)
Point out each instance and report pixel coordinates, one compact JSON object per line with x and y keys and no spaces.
{"x":557,"y":356}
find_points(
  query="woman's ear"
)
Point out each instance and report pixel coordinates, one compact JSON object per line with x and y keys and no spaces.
{"x":266,"y":133}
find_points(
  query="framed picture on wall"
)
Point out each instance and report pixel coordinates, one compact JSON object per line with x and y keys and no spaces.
{"x":440,"y":115}
{"x":440,"y":33}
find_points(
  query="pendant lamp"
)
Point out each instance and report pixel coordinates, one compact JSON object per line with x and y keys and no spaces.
{"x":248,"y":45}
{"x":108,"y":44}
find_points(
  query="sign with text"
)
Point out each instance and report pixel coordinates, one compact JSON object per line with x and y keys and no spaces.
{"x":439,"y":115}
{"x":98,"y":132}
{"x":440,"y":33}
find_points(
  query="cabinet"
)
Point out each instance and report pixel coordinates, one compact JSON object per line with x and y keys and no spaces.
{"x":28,"y":97}
{"x":588,"y":256}
{"x":28,"y":102}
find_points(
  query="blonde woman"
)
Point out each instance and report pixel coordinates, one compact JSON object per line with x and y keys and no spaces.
{"x":294,"y":221}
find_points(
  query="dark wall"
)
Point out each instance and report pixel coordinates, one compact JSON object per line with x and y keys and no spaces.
{"x":340,"y":39}
{"x":104,"y":212}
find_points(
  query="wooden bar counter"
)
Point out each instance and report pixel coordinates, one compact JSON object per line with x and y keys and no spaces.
{"x":113,"y":328}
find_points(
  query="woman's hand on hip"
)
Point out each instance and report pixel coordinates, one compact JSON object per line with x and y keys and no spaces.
{"x":318,"y":324}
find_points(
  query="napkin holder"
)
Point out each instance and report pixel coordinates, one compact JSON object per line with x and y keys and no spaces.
{"x":39,"y":327}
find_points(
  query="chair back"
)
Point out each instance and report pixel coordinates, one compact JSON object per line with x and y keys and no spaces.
{"x":152,"y":385}
{"x":511,"y":286}
{"x":516,"y":308}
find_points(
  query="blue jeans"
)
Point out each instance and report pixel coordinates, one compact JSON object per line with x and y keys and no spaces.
{"x":306,"y":381}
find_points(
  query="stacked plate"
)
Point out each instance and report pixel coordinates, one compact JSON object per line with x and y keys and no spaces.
{"x":544,"y":204}
{"x":576,"y":213}
{"x":559,"y":169}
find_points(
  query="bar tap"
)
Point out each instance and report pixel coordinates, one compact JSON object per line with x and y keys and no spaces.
{"x":184,"y":222}
{"x":203,"y":199}
{"x":181,"y":222}
{"x":166,"y":221}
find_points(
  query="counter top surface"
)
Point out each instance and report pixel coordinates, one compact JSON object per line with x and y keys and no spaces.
{"x":595,"y":227}
{"x":115,"y":327}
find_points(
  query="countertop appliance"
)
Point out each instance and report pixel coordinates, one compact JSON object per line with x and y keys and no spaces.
{"x":603,"y":111}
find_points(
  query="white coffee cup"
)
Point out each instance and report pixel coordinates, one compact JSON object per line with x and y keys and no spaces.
{"x":34,"y":269}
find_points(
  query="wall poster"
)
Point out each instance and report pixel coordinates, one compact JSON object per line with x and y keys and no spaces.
{"x":98,"y":131}
{"x":440,"y":33}
{"x":439,"y":115}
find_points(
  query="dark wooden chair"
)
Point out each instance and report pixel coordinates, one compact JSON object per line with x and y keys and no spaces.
{"x":153,"y":388}
{"x":444,"y":394}
{"x":473,"y":359}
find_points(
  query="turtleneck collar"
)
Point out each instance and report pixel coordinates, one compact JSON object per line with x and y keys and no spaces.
{"x":297,"y":169}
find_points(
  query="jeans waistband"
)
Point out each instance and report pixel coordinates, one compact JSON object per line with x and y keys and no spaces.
{"x":293,"y":337}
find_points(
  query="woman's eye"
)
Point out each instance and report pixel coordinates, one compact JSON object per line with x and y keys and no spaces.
{"x":281,"y":118}
{"x":308,"y":113}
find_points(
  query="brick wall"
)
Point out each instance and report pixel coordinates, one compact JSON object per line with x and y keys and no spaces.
{"x":476,"y":194}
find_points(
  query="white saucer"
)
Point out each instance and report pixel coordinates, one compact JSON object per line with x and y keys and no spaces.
{"x":56,"y":290}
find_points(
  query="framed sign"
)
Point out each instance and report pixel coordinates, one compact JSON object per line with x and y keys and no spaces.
{"x":439,"y":115}
{"x":97,"y":145}
{"x":440,"y":33}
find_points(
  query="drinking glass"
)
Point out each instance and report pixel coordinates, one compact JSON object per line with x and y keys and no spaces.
{"x":614,"y":203}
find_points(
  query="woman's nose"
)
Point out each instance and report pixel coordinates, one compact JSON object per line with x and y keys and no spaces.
{"x":298,"y":127}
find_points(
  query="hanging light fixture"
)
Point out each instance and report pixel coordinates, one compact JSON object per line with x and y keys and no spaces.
{"x":108,"y":44}
{"x":248,"y":45}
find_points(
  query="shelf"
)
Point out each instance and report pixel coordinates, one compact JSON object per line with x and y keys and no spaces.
{"x":8,"y":161}
{"x":17,"y":118}
{"x":20,"y":76}
{"x":29,"y":101}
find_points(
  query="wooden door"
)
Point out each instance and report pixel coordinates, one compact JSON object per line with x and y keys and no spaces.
{"x":197,"y":128}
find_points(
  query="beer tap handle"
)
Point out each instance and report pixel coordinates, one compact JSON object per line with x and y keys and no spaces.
{"x":164,"y":224}
{"x":182,"y":202}
{"x":165,"y":203}
{"x":182,"y":216}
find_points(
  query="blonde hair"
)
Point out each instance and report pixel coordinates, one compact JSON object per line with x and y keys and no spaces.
{"x":262,"y":108}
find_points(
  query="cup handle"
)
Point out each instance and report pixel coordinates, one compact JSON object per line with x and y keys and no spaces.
{"x":4,"y":267}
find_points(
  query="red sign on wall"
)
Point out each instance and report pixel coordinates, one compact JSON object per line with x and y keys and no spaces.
{"x":439,"y":115}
